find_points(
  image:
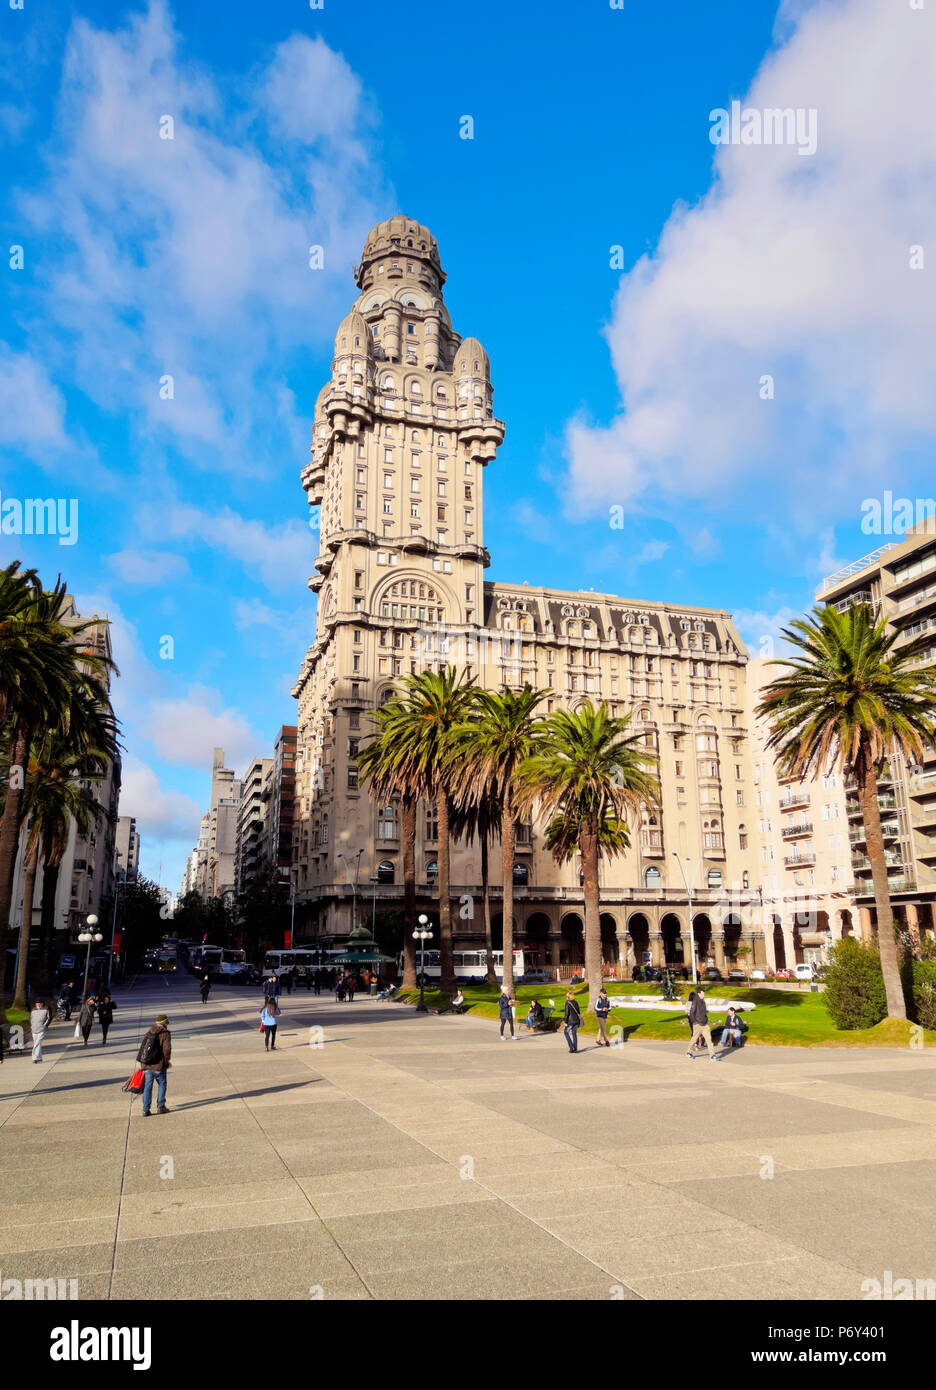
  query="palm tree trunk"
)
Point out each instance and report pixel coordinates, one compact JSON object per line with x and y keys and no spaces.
{"x":29,"y":893}
{"x":10,"y":832}
{"x":50,"y":875}
{"x":508,"y":849}
{"x":588,"y":848}
{"x":871,"y":816}
{"x":486,"y":910}
{"x":408,"y":827}
{"x":446,"y":958}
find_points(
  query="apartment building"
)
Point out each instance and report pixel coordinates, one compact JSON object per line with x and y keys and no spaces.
{"x":898,"y":579}
{"x":127,"y":849}
{"x":251,"y":822}
{"x":804,"y":849}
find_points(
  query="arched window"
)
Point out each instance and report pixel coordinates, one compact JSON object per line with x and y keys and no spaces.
{"x":652,"y":878}
{"x":432,"y":871}
{"x":385,"y":871}
{"x":387,"y":828}
{"x":714,"y":878}
{"x":521,"y":875}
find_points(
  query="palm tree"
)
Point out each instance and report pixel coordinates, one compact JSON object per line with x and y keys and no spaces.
{"x":488,"y":751}
{"x":427,"y":708}
{"x":43,"y":663}
{"x":591,"y":775}
{"x":478,"y":818}
{"x":849,"y":697}
{"x":383,"y":763}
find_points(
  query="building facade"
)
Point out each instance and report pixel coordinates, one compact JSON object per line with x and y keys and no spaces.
{"x":127,"y":849}
{"x":899,"y":581}
{"x":251,"y":821}
{"x":402,"y":434}
{"x":804,"y":849}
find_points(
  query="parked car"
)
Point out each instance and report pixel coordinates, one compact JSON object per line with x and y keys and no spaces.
{"x":736,"y":977}
{"x":537,"y":977}
{"x":759,"y":975}
{"x":710,"y":973}
{"x":804,"y":972}
{"x":783,"y":974}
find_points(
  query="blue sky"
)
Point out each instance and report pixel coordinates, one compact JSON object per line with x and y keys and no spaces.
{"x":636,"y":387}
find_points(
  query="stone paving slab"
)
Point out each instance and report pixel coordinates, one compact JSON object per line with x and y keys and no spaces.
{"x":414,"y":1157}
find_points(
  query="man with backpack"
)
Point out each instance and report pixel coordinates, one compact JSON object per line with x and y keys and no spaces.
{"x":153,"y":1056}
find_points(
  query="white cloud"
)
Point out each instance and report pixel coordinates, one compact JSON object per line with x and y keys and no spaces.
{"x":162,"y":813}
{"x":176,"y":248}
{"x":148,"y":566}
{"x":650,"y":551}
{"x":280,"y":556}
{"x":32,"y":409}
{"x":793,"y":267}
{"x":762,"y":632}
{"x":184,"y":731}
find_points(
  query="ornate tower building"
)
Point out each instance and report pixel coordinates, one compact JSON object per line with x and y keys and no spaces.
{"x":402,"y":434}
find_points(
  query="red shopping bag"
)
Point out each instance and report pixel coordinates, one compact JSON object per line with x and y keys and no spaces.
{"x":135,"y":1083}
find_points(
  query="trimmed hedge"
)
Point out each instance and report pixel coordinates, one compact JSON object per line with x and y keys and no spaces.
{"x":854,"y":985}
{"x":924,"y":992}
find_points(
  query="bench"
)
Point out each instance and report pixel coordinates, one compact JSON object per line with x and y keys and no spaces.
{"x":546,"y":1024}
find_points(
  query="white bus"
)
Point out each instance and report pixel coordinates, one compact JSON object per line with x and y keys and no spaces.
{"x":302,"y":961}
{"x":220,"y":962}
{"x":469,"y":965}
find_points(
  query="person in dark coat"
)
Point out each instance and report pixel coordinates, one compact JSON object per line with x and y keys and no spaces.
{"x":154,"y":1057}
{"x":65,"y":999}
{"x":86,"y":1017}
{"x":602,"y":1010}
{"x":505,"y":1010}
{"x":105,"y":1015}
{"x":572,"y":1018}
{"x":205,"y":989}
{"x":733,"y":1030}
{"x":698,"y":1017}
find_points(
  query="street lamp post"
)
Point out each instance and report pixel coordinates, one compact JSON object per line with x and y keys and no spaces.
{"x":422,"y":935}
{"x":118,"y":883}
{"x":689,"y":887}
{"x":353,"y":882}
{"x":89,"y":936}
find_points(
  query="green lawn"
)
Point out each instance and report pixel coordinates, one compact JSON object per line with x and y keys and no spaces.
{"x":780,"y":1017}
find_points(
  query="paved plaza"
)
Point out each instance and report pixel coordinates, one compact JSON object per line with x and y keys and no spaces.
{"x":410,"y":1156}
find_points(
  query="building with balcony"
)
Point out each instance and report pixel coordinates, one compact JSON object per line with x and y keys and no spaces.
{"x":805,"y":869}
{"x":899,"y":580}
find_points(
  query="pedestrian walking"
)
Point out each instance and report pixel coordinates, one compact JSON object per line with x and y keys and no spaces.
{"x":288,"y":980}
{"x":271,"y":987}
{"x":339,"y":989}
{"x":350,"y":983}
{"x":505,"y":1008}
{"x":602,"y":1010}
{"x":572,"y":1018}
{"x":86,"y":1017}
{"x":153,"y":1056}
{"x":105,"y":1015}
{"x":205,"y":989}
{"x":317,"y":982}
{"x":65,"y":1000}
{"x":39,"y":1020}
{"x":268,"y":1024}
{"x":698,"y":1017}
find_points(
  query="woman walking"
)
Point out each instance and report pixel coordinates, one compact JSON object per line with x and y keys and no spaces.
{"x":268,"y":1024}
{"x":86,"y":1018}
{"x":105,"y":1015}
{"x":573,"y":1022}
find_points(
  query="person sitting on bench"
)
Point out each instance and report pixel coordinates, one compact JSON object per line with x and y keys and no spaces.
{"x":458,"y":1002}
{"x":535,"y":1015}
{"x":733,"y":1029}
